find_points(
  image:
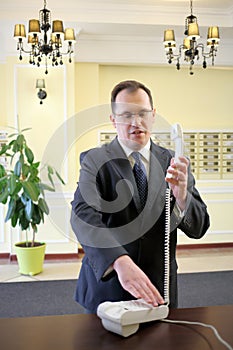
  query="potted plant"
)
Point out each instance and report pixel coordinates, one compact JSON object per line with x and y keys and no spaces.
{"x":23,"y":192}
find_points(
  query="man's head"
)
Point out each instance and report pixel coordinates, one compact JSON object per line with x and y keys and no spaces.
{"x":132,"y":113}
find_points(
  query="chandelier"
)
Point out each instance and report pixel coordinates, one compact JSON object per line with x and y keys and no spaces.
{"x":44,"y":39}
{"x":191,"y":49}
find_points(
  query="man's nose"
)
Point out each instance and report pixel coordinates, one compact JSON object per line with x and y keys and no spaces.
{"x":136,"y":119}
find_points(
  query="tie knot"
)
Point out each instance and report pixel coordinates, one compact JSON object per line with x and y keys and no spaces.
{"x":136,"y":156}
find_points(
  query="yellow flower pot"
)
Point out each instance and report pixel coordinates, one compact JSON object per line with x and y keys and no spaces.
{"x":30,"y":259}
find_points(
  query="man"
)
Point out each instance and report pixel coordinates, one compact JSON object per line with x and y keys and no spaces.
{"x":123,"y":238}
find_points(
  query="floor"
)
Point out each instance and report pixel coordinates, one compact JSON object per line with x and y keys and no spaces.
{"x":198,"y":260}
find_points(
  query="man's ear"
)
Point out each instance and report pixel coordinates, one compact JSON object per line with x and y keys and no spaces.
{"x":113,"y":120}
{"x":154,"y":115}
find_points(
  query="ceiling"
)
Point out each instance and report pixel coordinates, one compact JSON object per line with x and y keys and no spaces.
{"x":122,"y":31}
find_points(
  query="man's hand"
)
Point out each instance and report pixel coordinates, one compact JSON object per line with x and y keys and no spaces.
{"x":179,"y":180}
{"x":134,"y":280}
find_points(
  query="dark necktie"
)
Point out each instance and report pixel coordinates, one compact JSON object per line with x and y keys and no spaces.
{"x":140,"y":177}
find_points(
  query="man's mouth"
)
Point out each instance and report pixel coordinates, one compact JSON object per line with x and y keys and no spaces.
{"x":137,"y":132}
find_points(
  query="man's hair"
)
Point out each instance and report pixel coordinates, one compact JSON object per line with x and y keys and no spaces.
{"x":130,"y":86}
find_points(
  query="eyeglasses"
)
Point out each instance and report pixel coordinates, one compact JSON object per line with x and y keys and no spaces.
{"x":128,"y":116}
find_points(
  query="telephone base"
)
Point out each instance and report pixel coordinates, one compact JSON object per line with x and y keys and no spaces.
{"x":124,"y":317}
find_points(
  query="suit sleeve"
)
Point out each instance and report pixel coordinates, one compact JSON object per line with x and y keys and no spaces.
{"x":98,"y":241}
{"x":195,"y":221}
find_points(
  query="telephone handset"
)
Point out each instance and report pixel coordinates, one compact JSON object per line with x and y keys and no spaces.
{"x":124,"y":317}
{"x":177,"y":138}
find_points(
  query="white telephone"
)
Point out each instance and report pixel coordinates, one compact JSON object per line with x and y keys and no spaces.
{"x":124,"y":317}
{"x":177,"y":137}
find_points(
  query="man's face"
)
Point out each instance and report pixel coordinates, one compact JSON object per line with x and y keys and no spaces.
{"x":133,"y":118}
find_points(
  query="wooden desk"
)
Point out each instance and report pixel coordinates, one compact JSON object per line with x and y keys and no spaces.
{"x":85,"y":332}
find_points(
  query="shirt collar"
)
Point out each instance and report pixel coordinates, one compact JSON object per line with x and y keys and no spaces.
{"x":145,"y":151}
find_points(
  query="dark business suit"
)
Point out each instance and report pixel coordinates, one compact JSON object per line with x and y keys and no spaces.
{"x":107,"y":228}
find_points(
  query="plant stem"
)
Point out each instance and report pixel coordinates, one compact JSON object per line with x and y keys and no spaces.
{"x":26,"y":238}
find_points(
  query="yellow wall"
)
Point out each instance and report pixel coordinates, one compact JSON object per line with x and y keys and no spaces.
{"x":3,"y":107}
{"x":77,"y":108}
{"x":198,"y":102}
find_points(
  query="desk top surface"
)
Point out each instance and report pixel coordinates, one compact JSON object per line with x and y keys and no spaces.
{"x":85,"y":332}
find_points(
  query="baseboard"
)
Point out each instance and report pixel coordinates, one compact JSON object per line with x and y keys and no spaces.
{"x":67,"y":256}
{"x":79,"y":255}
{"x":205,"y":246}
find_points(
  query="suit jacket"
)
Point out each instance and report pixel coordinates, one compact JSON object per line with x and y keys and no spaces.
{"x":109,"y":222}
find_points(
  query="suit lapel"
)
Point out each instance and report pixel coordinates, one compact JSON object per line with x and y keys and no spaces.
{"x":156,"y":183}
{"x":156,"y":188}
{"x":158,"y":163}
{"x":122,"y":165}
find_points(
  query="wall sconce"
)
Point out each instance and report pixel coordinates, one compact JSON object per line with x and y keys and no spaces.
{"x":42,"y":94}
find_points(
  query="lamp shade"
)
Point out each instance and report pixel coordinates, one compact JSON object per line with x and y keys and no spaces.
{"x":33,"y":39}
{"x":193,"y":31}
{"x":69,"y":34}
{"x":19,"y":31}
{"x":56,"y":39}
{"x":186,"y":44}
{"x":213,"y":34}
{"x":169,"y":36}
{"x":57,"y":27}
{"x":34,"y":26}
{"x":40,"y":84}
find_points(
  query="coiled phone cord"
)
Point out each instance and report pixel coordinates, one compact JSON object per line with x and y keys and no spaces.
{"x":167,"y":247}
{"x":167,"y":273}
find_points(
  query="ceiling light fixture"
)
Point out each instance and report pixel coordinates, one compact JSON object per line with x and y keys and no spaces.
{"x":190,"y":48}
{"x":45,"y":40}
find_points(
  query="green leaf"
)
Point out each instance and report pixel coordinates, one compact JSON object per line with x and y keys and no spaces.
{"x":28,"y":209}
{"x":33,"y":171}
{"x":4,"y":149}
{"x":20,"y":140}
{"x":4,"y":195}
{"x":17,"y":169}
{"x":23,"y":222}
{"x":21,"y":159}
{"x":25,"y":129}
{"x":15,"y":147}
{"x":17,"y":188}
{"x":60,"y":178}
{"x":17,"y":213}
{"x":25,"y":170}
{"x":36,"y":215}
{"x":2,"y":171}
{"x":41,"y":214}
{"x":51,"y":180}
{"x":12,"y":183}
{"x":29,"y":155}
{"x":43,"y":206}
{"x":3,"y":179}
{"x":11,"y":209}
{"x":46,"y":187}
{"x":11,"y":135}
{"x":32,"y":190}
{"x":14,"y":220}
{"x":36,"y":165}
{"x":50,"y":169}
{"x":23,"y":199}
{"x":34,"y":228}
{"x":19,"y":206}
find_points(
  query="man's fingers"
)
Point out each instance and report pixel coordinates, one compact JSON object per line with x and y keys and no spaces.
{"x":147,"y":292}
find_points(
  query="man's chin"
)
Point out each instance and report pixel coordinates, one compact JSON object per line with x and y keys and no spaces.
{"x":134,"y":144}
